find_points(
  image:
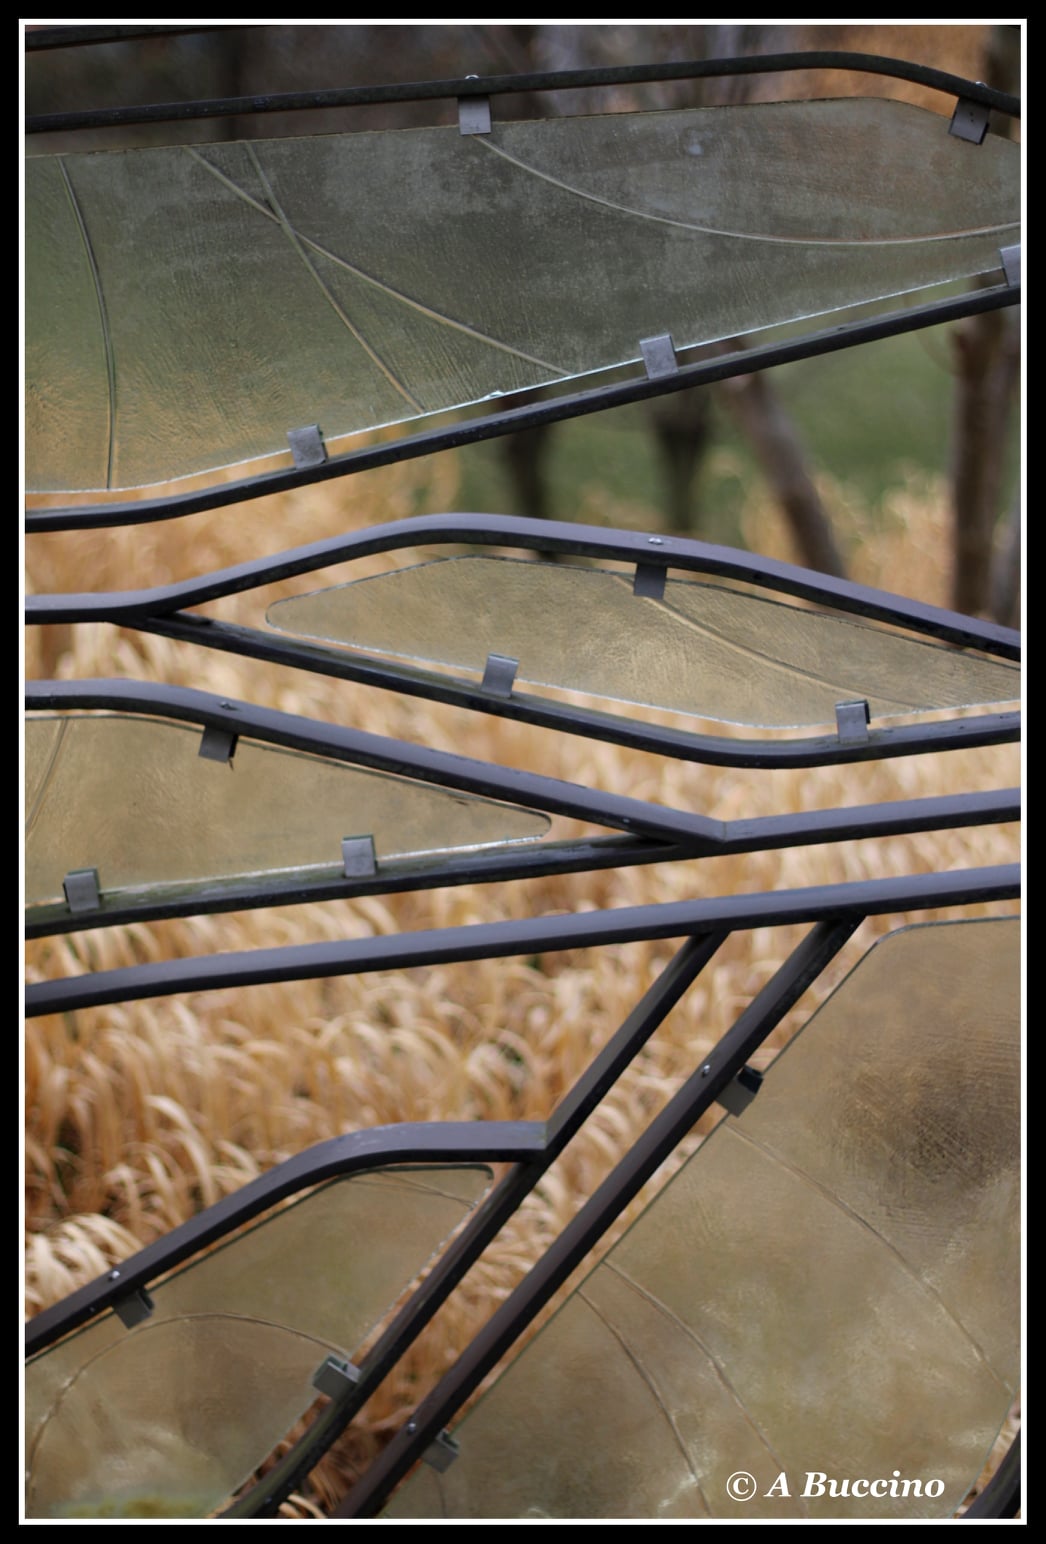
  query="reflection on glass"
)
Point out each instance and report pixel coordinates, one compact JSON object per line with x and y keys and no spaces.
{"x":828,"y":1288}
{"x":188,"y":306}
{"x":702,"y":649}
{"x":171,"y":1417}
{"x":133,"y":798}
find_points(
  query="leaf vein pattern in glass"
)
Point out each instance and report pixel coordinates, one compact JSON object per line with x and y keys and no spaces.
{"x":468,"y":275}
{"x":829,"y":1284}
{"x":650,"y":1380}
{"x":103,"y":317}
{"x":172,"y":1416}
{"x":704,"y":649}
{"x":132,"y":798}
{"x":295,"y":241}
{"x":689,"y":1333}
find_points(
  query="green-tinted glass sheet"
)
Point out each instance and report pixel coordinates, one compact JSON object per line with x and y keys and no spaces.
{"x":171,"y":1417}
{"x":133,"y":798}
{"x":199,"y":302}
{"x":702,"y":649}
{"x":829,"y":1287}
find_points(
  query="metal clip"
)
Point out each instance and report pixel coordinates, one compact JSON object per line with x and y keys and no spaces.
{"x":659,"y":356}
{"x":969,"y":121}
{"x":649,"y":581}
{"x":851,"y":722}
{"x":217,"y":744}
{"x":357,"y":857}
{"x":739,"y":1093}
{"x":133,"y":1309}
{"x":474,"y":113}
{"x":439,"y":1455}
{"x":335,"y":1377}
{"x":1011,"y":264}
{"x":307,"y":446}
{"x":499,"y":675}
{"x":82,"y":892}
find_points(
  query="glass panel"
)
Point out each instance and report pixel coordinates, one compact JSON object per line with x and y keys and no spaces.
{"x":133,"y":798}
{"x":702,"y":649}
{"x":228,"y":293}
{"x":171,"y":1417}
{"x":828,"y":1289}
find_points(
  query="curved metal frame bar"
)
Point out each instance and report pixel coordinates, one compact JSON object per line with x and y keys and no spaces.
{"x":501,"y":85}
{"x":661,"y":834}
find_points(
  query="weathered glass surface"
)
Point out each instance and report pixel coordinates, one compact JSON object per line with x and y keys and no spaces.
{"x":188,"y":306}
{"x":170,"y":1417}
{"x":133,"y":798}
{"x":827,"y":1290}
{"x":701,"y":649}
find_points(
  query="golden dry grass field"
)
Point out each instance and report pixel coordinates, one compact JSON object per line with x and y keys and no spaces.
{"x":139,"y":1115}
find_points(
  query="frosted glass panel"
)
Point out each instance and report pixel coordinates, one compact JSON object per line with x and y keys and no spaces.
{"x":169,"y":1418}
{"x":133,"y":798}
{"x":199,"y":302}
{"x":702,"y":649}
{"x":830,"y":1286}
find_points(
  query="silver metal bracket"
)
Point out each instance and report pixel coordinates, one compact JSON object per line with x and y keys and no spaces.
{"x":474,"y":115}
{"x":335,"y":1377}
{"x":357,"y":857}
{"x":82,"y":891}
{"x":738,"y":1095}
{"x":499,"y":675}
{"x":307,"y":446}
{"x":659,"y":356}
{"x":851,"y":722}
{"x":1011,"y":264}
{"x":649,"y":581}
{"x":440,"y":1454}
{"x":217,"y":744}
{"x":969,"y":121}
{"x":133,"y":1309}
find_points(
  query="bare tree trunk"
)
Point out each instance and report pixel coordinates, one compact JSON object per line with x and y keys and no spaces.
{"x":987,"y":351}
{"x":772,"y":435}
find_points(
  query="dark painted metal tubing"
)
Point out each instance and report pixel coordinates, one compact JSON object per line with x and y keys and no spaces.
{"x":859,"y":822}
{"x":499,"y":85}
{"x":413,"y":1144}
{"x":525,"y":707}
{"x":493,"y":426}
{"x":680,"y":553}
{"x":646,"y":1156}
{"x":1001,"y":1497}
{"x":378,"y":752}
{"x":497,"y":940}
{"x":565,"y":1123}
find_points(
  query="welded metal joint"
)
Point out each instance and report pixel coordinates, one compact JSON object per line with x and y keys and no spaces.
{"x":441,"y":1453}
{"x":851,"y":722}
{"x":217,"y":744}
{"x":335,"y":1377}
{"x":82,"y":890}
{"x":307,"y":446}
{"x":133,"y":1309}
{"x":499,"y":675}
{"x":659,"y":356}
{"x":969,"y":121}
{"x":1011,"y":264}
{"x":738,"y":1095}
{"x":649,"y":581}
{"x":358,"y":858}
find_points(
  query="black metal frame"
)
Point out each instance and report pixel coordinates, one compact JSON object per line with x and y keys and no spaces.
{"x":834,"y":913}
{"x":653,"y":834}
{"x":555,"y":410}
